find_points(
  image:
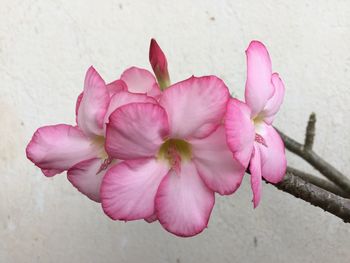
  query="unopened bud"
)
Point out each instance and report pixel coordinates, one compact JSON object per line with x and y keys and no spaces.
{"x":159,"y":64}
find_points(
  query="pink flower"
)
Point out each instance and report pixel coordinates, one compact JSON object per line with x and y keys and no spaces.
{"x":250,"y":135}
{"x":159,"y":64}
{"x":175,"y":155}
{"x":80,"y":149}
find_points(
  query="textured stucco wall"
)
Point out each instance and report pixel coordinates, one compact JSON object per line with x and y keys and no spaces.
{"x":45,"y":49}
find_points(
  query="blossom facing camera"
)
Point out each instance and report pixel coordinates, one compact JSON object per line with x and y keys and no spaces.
{"x":176,"y":157}
{"x":250,"y":134}
{"x":80,"y":149}
{"x":159,"y":64}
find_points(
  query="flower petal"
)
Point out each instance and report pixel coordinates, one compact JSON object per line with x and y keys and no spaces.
{"x":151,"y":218}
{"x":136,"y":130}
{"x":59,"y":147}
{"x":87,"y":177}
{"x":273,"y":157}
{"x":77,"y":105}
{"x":258,"y":85}
{"x":124,"y":97}
{"x":112,"y":88}
{"x":215,"y":163}
{"x":141,"y":80}
{"x":129,"y":188}
{"x":274,"y":103}
{"x":195,"y":106}
{"x":51,"y":172}
{"x":116,"y":86}
{"x":255,"y":178}
{"x":240,"y":131}
{"x":93,"y":105}
{"x":183,"y":202}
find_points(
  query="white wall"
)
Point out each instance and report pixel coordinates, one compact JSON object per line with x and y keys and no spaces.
{"x":45,"y":49}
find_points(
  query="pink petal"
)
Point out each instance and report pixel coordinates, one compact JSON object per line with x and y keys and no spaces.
{"x":77,"y":105}
{"x":273,"y":157}
{"x":159,"y":64}
{"x":183,"y":202}
{"x":274,"y":103}
{"x":57,"y":148}
{"x":136,"y":130}
{"x":255,"y":179}
{"x":51,"y":172}
{"x":195,"y":106}
{"x":116,"y":86}
{"x":129,"y":188}
{"x":141,"y":80}
{"x":112,"y":88}
{"x":93,"y":105}
{"x":258,"y":85}
{"x":240,"y":131}
{"x":151,"y":218}
{"x":215,"y":164}
{"x":124,"y":97}
{"x":87,"y":177}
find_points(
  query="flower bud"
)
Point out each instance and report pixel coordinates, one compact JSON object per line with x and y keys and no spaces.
{"x":159,"y":64}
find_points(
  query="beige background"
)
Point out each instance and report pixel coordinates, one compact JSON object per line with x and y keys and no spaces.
{"x":45,"y":49}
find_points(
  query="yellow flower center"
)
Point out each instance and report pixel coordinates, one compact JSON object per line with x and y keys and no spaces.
{"x":174,"y":151}
{"x":99,"y":141}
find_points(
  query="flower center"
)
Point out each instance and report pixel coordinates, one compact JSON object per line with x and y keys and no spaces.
{"x":259,"y":129}
{"x":174,"y":151}
{"x":258,"y":121}
{"x":99,"y":141}
{"x":260,"y":139}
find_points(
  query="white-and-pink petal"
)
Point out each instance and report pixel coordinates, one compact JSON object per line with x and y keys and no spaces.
{"x":136,"y":130}
{"x":195,"y":106}
{"x":87,"y":176}
{"x":141,"y":80}
{"x":274,"y":103}
{"x":184,"y":202}
{"x":57,"y":148}
{"x":240,"y":131}
{"x":116,"y":86}
{"x":255,"y":178}
{"x":129,"y":188}
{"x":77,"y":105}
{"x":124,"y":97}
{"x":259,"y":87}
{"x":215,"y":163}
{"x":51,"y":172}
{"x":273,"y":157}
{"x":151,"y":218}
{"x":93,"y":104}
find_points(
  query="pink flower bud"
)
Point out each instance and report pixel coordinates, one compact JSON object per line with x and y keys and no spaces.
{"x":159,"y":64}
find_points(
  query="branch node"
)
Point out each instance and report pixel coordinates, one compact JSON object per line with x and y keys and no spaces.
{"x":317,"y":162}
{"x":310,"y":132}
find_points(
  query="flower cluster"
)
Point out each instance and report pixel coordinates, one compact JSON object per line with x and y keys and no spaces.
{"x":148,"y":149}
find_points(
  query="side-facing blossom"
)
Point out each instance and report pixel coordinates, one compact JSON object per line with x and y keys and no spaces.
{"x":79,"y":149}
{"x":176,"y":157}
{"x":250,"y":134}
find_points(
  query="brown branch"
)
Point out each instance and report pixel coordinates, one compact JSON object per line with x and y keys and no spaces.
{"x":310,"y":132}
{"x":316,"y":191}
{"x":317,"y":162}
{"x":316,"y":196}
{"x":324,"y":184}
